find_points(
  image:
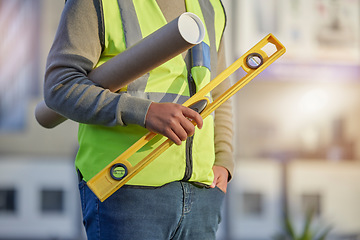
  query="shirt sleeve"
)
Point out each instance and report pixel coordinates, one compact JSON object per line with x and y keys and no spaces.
{"x":75,"y":52}
{"x":223,"y":121}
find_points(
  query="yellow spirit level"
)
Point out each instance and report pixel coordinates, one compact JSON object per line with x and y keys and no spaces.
{"x":120,"y":170}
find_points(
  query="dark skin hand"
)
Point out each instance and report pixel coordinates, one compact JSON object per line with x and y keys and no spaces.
{"x":173,"y":121}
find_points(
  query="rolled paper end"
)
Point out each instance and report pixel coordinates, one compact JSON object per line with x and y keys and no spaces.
{"x":191,"y":28}
{"x":47,"y":117}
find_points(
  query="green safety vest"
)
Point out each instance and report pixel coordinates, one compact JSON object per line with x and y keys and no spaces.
{"x":126,"y":22}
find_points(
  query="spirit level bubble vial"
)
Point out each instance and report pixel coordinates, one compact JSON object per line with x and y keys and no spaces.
{"x":118,"y":171}
{"x":121,"y":170}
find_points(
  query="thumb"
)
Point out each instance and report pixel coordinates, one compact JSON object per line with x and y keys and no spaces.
{"x":213,"y":185}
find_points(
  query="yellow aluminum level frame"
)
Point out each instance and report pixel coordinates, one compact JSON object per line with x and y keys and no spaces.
{"x":105,"y":183}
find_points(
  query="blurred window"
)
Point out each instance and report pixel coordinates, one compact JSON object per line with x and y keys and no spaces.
{"x":7,"y":200}
{"x":52,"y":201}
{"x":311,"y":202}
{"x":252,"y":204}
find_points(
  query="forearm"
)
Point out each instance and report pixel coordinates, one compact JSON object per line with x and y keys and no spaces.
{"x":69,"y":92}
{"x":75,"y":52}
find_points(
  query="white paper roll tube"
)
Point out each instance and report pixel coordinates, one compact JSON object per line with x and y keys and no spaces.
{"x":167,"y":42}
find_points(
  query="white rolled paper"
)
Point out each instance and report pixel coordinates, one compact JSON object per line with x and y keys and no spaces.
{"x":167,"y":42}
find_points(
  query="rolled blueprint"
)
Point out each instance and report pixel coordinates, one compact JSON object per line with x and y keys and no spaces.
{"x":167,"y":42}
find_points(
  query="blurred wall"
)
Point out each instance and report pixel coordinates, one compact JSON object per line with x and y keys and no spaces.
{"x":297,"y":137}
{"x":38,"y":182}
{"x":33,"y":139}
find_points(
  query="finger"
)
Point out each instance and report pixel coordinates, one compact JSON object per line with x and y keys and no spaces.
{"x":188,"y":127}
{"x":189,"y":113}
{"x":220,"y":184}
{"x":173,"y":136}
{"x":180,"y":132}
{"x":215,"y":181}
{"x":222,"y":188}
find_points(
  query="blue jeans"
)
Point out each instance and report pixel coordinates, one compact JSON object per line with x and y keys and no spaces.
{"x":178,"y":210}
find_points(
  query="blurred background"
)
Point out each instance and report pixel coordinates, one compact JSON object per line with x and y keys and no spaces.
{"x":297,"y":131}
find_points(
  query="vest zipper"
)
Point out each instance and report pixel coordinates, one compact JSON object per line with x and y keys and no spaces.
{"x":189,"y":140}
